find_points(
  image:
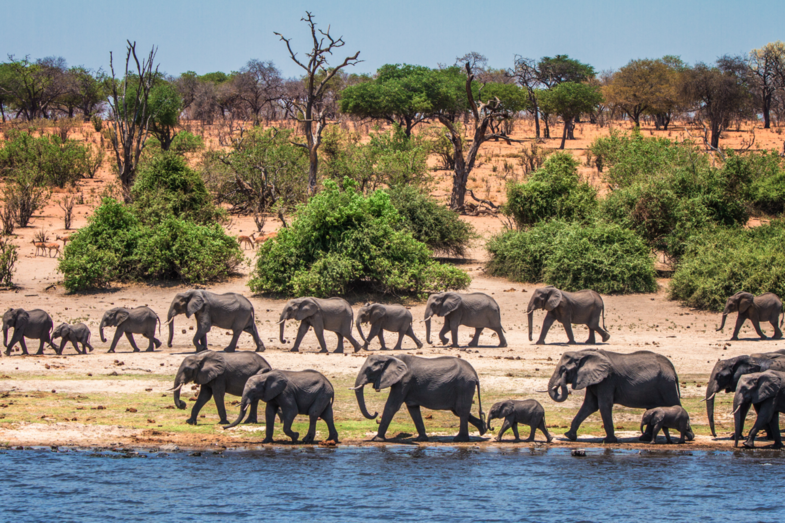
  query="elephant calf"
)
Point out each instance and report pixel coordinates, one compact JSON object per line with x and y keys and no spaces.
{"x":140,"y":320}
{"x":34,"y":324}
{"x":76,"y":334}
{"x":666,"y":418}
{"x":766,"y":307}
{"x":526,"y":412}
{"x":582,"y":307}
{"x":393,"y":318}
{"x":476,"y":310}
{"x":332,"y":314}
{"x":766,"y":392}
{"x":291,"y":392}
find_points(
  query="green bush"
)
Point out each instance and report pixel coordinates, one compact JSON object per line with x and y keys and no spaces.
{"x":340,"y":240}
{"x":182,"y":143}
{"x":60,"y":162}
{"x":600,"y":256}
{"x":721,"y":262}
{"x":553,"y":191}
{"x":441,"y":229}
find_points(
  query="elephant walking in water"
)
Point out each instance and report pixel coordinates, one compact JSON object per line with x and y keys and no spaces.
{"x":766,"y":307}
{"x":444,"y":383}
{"x":582,"y":307}
{"x":640,"y":380}
{"x":333,"y":314}
{"x":476,"y":310}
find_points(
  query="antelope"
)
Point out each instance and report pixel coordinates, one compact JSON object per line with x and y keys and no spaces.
{"x":39,"y":246}
{"x":243,"y":240}
{"x":65,"y":239}
{"x":53,"y":247}
{"x":264,"y":237}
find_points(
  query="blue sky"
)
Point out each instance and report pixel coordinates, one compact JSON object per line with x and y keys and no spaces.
{"x":206,"y":36}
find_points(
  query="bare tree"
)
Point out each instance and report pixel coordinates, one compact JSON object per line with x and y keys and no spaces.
{"x":258,"y":85}
{"x":767,"y":76}
{"x":130,"y":113}
{"x":312,"y":110}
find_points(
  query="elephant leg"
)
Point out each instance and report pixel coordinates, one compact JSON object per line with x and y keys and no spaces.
{"x":588,"y":408}
{"x":288,"y":419}
{"x":394,"y":402}
{"x":477,"y":422}
{"x":531,"y":434}
{"x":40,"y":347}
{"x":739,"y":322}
{"x":505,"y":427}
{"x":444,"y":331}
{"x":327,"y":416}
{"x":606,"y":411}
{"x":131,"y":340}
{"x":476,"y":338}
{"x":323,"y":344}
{"x":667,"y":435}
{"x":463,"y":432}
{"x":774,"y":431}
{"x":500,"y":334}
{"x":568,"y":329}
{"x":253,"y":414}
{"x":546,"y":325}
{"x":777,"y":331}
{"x":766,"y":434}
{"x":355,"y":343}
{"x":375,"y":332}
{"x":115,"y":340}
{"x":200,"y":340}
{"x":269,"y":421}
{"x":309,"y":437}
{"x":764,"y":419}
{"x":544,"y":430}
{"x":410,"y":333}
{"x":339,"y":347}
{"x":23,"y":345}
{"x":219,"y":390}
{"x":153,"y":343}
{"x":253,"y":331}
{"x":205,"y":393}
{"x":399,"y":343}
{"x":756,"y":325}
{"x":300,"y":335}
{"x":454,"y":324}
{"x":414,"y":412}
{"x":655,"y":430}
{"x":87,"y":344}
{"x":591,"y":340}
{"x":518,"y":436}
{"x":603,"y":333}
{"x":233,"y":344}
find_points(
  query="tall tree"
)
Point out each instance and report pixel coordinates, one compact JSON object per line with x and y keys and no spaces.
{"x":130,"y":112}
{"x":644,"y":87}
{"x":165,"y":105}
{"x":258,"y":85}
{"x":569,"y":100}
{"x":312,"y":110}
{"x":767,"y":75}
{"x":32,"y":88}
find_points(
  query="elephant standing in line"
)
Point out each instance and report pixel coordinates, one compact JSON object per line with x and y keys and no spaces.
{"x":582,"y":307}
{"x":444,"y":383}
{"x":332,"y":314}
{"x":726,"y":374}
{"x":230,"y":311}
{"x":764,"y":390}
{"x":289,"y":393}
{"x":393,"y":318}
{"x":526,"y":412}
{"x":664,"y":418}
{"x":476,"y":310}
{"x":640,"y":380}
{"x":76,"y":334}
{"x":766,"y":307}
{"x":34,"y":324}
{"x":139,"y":320}
{"x":218,"y":373}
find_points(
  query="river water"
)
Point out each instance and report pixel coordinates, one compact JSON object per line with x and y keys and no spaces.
{"x":402,"y":483}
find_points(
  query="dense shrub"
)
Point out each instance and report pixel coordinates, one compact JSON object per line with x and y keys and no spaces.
{"x":182,"y":143}
{"x":435,"y":225}
{"x":553,"y":191}
{"x":341,"y":239}
{"x":59,"y":162}
{"x":8,"y":257}
{"x":721,"y":262}
{"x":600,"y":256}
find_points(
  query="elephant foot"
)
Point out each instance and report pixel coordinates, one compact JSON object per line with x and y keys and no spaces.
{"x":735,"y":338}
{"x":610,"y":439}
{"x":421,"y":438}
{"x":323,"y":351}
{"x":549,"y":439}
{"x":137,"y":350}
{"x":338,"y":351}
{"x":572,"y":436}
{"x":540,"y":342}
{"x":591,"y":341}
{"x":777,"y":446}
{"x":502,"y":345}
{"x":259,"y":349}
{"x":419,"y":345}
{"x":308,"y":439}
{"x":295,"y":436}
{"x":606,"y":338}
{"x":461,"y":438}
{"x":474,"y":344}
{"x":150,"y":350}
{"x":267,"y":440}
{"x":250,"y":421}
{"x":378,"y":438}
{"x":749,"y":445}
{"x":223,"y":422}
{"x":645,"y":438}
{"x":527,"y":440}
{"x":294,"y":350}
{"x":191,"y":421}
{"x":497,"y":439}
{"x":444,"y":341}
{"x":764,"y":337}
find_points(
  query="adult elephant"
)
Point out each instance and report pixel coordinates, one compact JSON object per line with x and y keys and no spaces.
{"x":34,"y":324}
{"x":582,"y":307}
{"x":332,"y":314}
{"x":444,"y":383}
{"x":218,"y":373}
{"x":641,"y":380}
{"x":393,"y":318}
{"x":230,"y":311}
{"x":476,"y":310}
{"x":726,"y":374}
{"x":139,"y":320}
{"x":766,"y":307}
{"x":765,"y":391}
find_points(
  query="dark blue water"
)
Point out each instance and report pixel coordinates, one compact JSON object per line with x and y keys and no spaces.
{"x":392,"y":483}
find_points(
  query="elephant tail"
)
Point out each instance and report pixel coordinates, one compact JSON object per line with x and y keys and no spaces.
{"x":159,"y":324}
{"x":782,"y":316}
{"x":479,"y":402}
{"x":603,"y":315}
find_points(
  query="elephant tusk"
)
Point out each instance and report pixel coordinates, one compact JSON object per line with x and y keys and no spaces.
{"x":707,"y":399}
{"x":168,"y":322}
{"x":280,"y":322}
{"x":542,"y":391}
{"x":426,"y":319}
{"x":175,"y":388}
{"x":355,"y":388}
{"x":735,"y":411}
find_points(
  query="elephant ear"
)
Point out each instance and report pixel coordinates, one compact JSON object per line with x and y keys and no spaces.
{"x":768,"y":387}
{"x":377,"y":313}
{"x":745,"y":301}
{"x":306,"y":309}
{"x":274,"y":385}
{"x":22,"y":319}
{"x":212,"y":366}
{"x":508,"y":408}
{"x":450,"y":303}
{"x":593,"y":368}
{"x":195,"y":304}
{"x":554,"y":299}
{"x":120,"y":316}
{"x":392,"y":373}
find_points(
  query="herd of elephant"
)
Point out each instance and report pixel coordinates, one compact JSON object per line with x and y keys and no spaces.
{"x":640,"y":380}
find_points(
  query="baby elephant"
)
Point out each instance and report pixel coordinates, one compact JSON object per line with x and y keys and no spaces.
{"x":76,"y":334}
{"x":292,"y":392}
{"x":393,"y":318}
{"x":666,"y":418}
{"x":527,"y":412}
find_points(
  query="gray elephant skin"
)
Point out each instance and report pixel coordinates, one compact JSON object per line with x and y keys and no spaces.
{"x":766,"y":307}
{"x":525,"y":412}
{"x":476,"y":310}
{"x":75,"y":334}
{"x":582,"y":308}
{"x":290,"y":393}
{"x":229,"y":311}
{"x":218,"y":374}
{"x":139,"y":320}
{"x":331,"y":314}
{"x":392,"y":318}
{"x":34,"y":324}
{"x":664,"y":418}
{"x":726,"y":374}
{"x":765,"y":391}
{"x":444,"y":383}
{"x":640,"y":380}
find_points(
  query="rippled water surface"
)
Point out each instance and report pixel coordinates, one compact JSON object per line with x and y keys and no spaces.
{"x":392,"y":483}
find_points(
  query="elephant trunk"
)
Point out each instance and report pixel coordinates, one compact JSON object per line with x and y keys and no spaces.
{"x":282,"y":323}
{"x":170,"y":321}
{"x":560,"y":383}
{"x":488,"y":421}
{"x":530,"y":317}
{"x":711,"y":391}
{"x":361,"y":402}
{"x":357,"y":323}
{"x":739,"y":414}
{"x":5,"y":336}
{"x":179,"y":381}
{"x":243,"y":408}
{"x":722,"y":325}
{"x":428,"y":330}
{"x":101,"y":330}
{"x":643,"y":423}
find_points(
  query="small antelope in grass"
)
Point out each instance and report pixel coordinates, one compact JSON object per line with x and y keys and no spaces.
{"x":245,"y":240}
{"x":39,"y":247}
{"x":65,"y":239}
{"x":53,"y":247}
{"x":259,"y":240}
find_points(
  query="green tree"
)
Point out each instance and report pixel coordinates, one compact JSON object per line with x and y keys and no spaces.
{"x":569,"y":100}
{"x":165,"y":106}
{"x":644,"y":87}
